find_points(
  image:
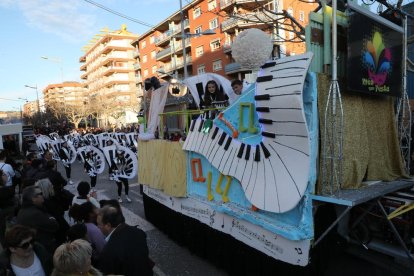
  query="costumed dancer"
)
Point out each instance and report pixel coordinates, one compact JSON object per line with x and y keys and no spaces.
{"x":90,"y":166}
{"x":64,"y":155}
{"x":118,"y":165}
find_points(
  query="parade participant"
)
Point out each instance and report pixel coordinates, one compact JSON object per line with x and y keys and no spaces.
{"x":126,"y":250}
{"x":213,"y":93}
{"x":64,"y":155}
{"x":118,"y":165}
{"x":237,"y":86}
{"x":84,"y":196}
{"x":22,"y":255}
{"x":33,"y":214}
{"x":90,"y":167}
{"x":6,"y":168}
{"x":74,"y":258}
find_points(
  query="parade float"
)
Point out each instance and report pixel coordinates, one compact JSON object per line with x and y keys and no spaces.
{"x":252,"y":185}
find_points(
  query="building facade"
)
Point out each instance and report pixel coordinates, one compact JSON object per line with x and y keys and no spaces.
{"x":161,"y":51}
{"x":109,"y":76}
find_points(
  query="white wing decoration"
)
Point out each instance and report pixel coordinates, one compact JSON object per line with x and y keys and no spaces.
{"x":99,"y":156}
{"x":127,"y":170}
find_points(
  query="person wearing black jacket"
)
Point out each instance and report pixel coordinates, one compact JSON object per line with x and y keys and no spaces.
{"x":33,"y":214}
{"x":7,"y":203}
{"x":126,"y":250}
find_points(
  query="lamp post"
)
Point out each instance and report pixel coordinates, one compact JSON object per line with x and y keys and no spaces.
{"x":56,"y":60}
{"x":184,"y":36}
{"x":37,"y":96}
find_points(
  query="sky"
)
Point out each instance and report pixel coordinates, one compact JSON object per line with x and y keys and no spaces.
{"x":58,"y":29}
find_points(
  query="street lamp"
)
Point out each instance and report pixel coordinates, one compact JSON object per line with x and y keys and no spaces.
{"x":56,"y":60}
{"x":37,"y":95}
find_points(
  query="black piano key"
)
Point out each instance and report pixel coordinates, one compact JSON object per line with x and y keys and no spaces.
{"x":257,"y":154}
{"x":265,"y":150}
{"x":262,"y":109}
{"x":264,"y":97}
{"x":268,"y":134}
{"x":223,"y":136}
{"x":264,"y":78}
{"x":193,"y":122}
{"x":228,"y":143}
{"x":200,"y":127}
{"x":241,"y":149}
{"x":215,"y":133}
{"x":247,"y":156}
{"x":265,"y":121}
{"x":268,"y":64}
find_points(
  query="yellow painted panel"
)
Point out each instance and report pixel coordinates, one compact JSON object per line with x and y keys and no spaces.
{"x":162,"y":165}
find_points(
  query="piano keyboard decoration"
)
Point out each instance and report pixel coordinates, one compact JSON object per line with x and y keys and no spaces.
{"x":273,"y":171}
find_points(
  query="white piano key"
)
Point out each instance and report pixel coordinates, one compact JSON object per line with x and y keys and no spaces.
{"x":218,"y":155}
{"x":195,"y":134}
{"x":229,"y":153}
{"x":271,"y":200}
{"x":232,"y":157}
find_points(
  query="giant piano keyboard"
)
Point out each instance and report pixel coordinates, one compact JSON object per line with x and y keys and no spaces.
{"x":274,"y":172}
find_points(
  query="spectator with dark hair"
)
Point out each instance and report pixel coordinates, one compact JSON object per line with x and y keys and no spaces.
{"x":77,"y":231}
{"x":74,"y":258}
{"x":126,"y":250}
{"x":84,"y":196}
{"x":22,"y":255}
{"x":86,"y":214}
{"x":237,"y":86}
{"x":33,"y":214}
{"x":55,"y":207}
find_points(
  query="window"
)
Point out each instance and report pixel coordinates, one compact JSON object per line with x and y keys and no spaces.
{"x":152,"y":39}
{"x":201,"y":69}
{"x":153,"y":54}
{"x":154,"y":69}
{"x":215,"y":44}
{"x":145,"y":72}
{"x":212,"y":4}
{"x":302,"y":16}
{"x":217,"y":65}
{"x":196,"y":12}
{"x":198,"y":30}
{"x":143,"y":44}
{"x":199,"y":51}
{"x":214,"y":23}
{"x":144,"y":58}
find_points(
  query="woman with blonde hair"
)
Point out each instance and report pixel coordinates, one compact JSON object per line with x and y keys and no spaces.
{"x":74,"y":258}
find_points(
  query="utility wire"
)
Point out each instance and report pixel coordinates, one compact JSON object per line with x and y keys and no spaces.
{"x":119,"y":14}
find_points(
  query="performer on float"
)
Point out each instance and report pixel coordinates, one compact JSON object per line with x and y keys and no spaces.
{"x":118,"y":165}
{"x":214,"y":97}
{"x":64,"y":155}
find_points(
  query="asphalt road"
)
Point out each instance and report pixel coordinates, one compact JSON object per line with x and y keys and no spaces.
{"x":169,"y":257}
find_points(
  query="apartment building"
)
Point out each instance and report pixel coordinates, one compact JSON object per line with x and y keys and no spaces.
{"x":109,"y":76}
{"x":64,"y":94}
{"x":161,"y":48}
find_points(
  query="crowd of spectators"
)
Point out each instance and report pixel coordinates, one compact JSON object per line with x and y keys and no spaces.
{"x":36,"y":238}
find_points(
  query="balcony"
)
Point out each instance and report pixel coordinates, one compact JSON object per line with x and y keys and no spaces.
{"x":250,"y":20}
{"x":228,"y":4}
{"x":227,"y":47}
{"x":163,"y":53}
{"x":138,"y":78}
{"x":234,"y":68}
{"x":165,"y":37}
{"x":137,"y":66}
{"x":135,"y":54}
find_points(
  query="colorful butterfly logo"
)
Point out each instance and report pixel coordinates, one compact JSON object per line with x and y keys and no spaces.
{"x":377,"y":58}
